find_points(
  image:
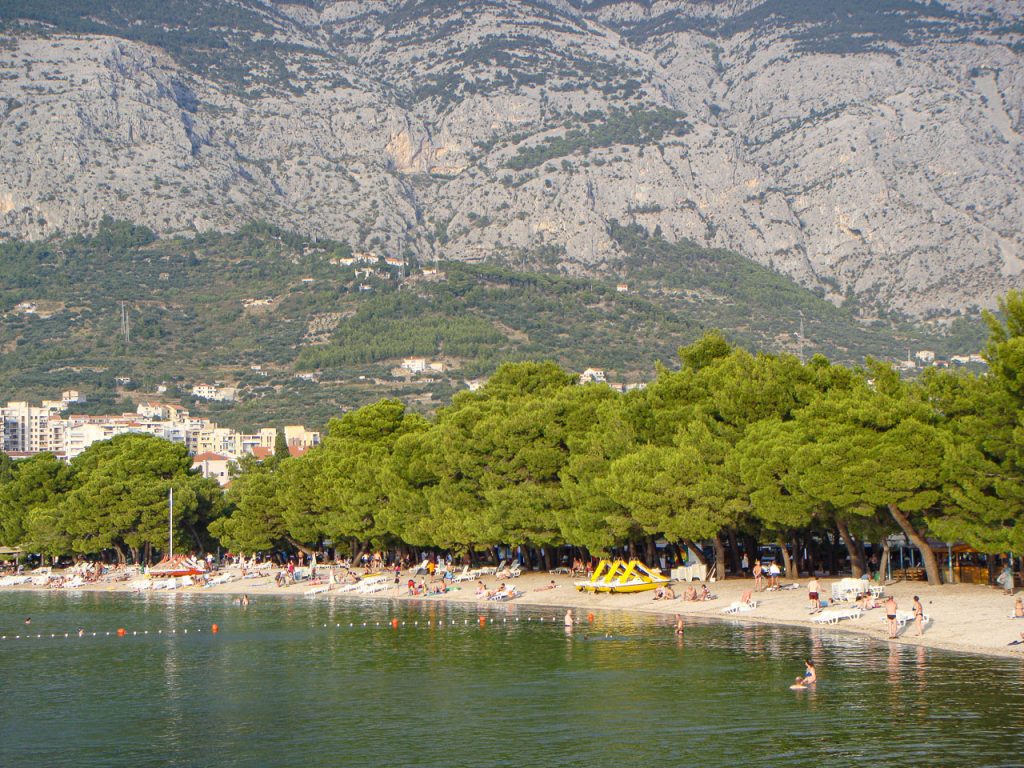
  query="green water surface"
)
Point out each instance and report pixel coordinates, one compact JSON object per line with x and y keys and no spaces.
{"x":277,"y":687}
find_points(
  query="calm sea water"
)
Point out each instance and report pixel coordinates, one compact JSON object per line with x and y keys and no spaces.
{"x":277,"y":687}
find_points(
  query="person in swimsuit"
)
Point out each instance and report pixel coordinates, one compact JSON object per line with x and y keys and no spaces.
{"x":810,"y":676}
{"x":758,"y":579}
{"x":679,"y":624}
{"x":1018,"y":609}
{"x":890,"y":614}
{"x":918,"y":615}
{"x":812,"y":594}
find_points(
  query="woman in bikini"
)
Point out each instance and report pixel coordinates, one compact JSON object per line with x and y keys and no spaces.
{"x":810,"y":676}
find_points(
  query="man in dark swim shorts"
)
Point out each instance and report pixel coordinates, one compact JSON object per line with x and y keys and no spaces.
{"x":890,"y":614}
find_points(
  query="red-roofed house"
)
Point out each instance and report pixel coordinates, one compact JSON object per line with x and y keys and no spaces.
{"x":213,"y":465}
{"x":261,"y":452}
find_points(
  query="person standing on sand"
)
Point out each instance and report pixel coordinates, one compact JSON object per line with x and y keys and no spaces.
{"x":918,"y":615}
{"x":890,"y":614}
{"x":758,"y":577}
{"x":1005,"y":580}
{"x":774,"y":572}
{"x":745,"y":563}
{"x":813,"y":588}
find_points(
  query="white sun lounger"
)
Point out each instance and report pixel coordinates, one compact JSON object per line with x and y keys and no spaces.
{"x":489,"y":570}
{"x":374,"y":584}
{"x":464,"y":575}
{"x":349,"y":587}
{"x":13,"y":581}
{"x":838,"y":614}
{"x":509,"y":594}
{"x":739,"y":607}
{"x":319,"y":589}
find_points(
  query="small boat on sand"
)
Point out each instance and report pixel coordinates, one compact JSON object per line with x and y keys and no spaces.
{"x":619,"y":576}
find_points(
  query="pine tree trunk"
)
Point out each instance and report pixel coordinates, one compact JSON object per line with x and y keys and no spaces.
{"x":832,"y":569}
{"x":734,"y":553}
{"x":856,"y":562}
{"x":652,"y":553}
{"x":931,"y":563}
{"x":883,"y":563}
{"x":787,"y":561}
{"x":720,"y":556}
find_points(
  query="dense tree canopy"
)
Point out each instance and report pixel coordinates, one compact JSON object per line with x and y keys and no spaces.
{"x":729,"y":446}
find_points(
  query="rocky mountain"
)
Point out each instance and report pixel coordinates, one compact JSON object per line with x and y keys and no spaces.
{"x":869,"y":149}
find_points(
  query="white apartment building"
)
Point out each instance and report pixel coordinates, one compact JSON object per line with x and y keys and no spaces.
{"x":211,"y":392}
{"x":27,"y":428}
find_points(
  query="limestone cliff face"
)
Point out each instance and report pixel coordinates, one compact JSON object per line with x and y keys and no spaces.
{"x":870,"y":149}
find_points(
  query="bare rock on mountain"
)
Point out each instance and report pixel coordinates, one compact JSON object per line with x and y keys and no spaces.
{"x":873,"y":150}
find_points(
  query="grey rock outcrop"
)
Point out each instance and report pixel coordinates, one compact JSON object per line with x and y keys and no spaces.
{"x":871,"y":150}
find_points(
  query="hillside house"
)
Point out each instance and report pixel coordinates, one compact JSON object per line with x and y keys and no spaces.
{"x":213,"y":465}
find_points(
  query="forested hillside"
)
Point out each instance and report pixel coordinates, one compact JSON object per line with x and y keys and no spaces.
{"x":210,"y":308}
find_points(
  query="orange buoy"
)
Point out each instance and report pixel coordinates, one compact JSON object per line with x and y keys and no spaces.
{"x":121,"y":632}
{"x":483,"y":620}
{"x":394,"y":623}
{"x":590,"y":618}
{"x":215,"y":629}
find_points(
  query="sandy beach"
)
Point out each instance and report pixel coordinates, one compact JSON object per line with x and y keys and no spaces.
{"x":966,"y":618}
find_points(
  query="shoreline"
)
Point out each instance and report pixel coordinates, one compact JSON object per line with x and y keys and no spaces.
{"x":965,"y":618}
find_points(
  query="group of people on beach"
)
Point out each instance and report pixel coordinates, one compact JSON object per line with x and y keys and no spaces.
{"x":691,"y":593}
{"x":774,"y":574}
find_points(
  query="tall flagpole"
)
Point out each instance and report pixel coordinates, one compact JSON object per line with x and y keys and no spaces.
{"x":170,"y":527}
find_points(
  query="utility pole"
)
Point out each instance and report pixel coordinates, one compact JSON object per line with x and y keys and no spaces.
{"x":126,"y":330}
{"x":801,"y":312}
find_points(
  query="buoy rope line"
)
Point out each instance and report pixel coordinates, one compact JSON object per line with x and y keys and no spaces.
{"x":119,"y":632}
{"x":215,"y":629}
